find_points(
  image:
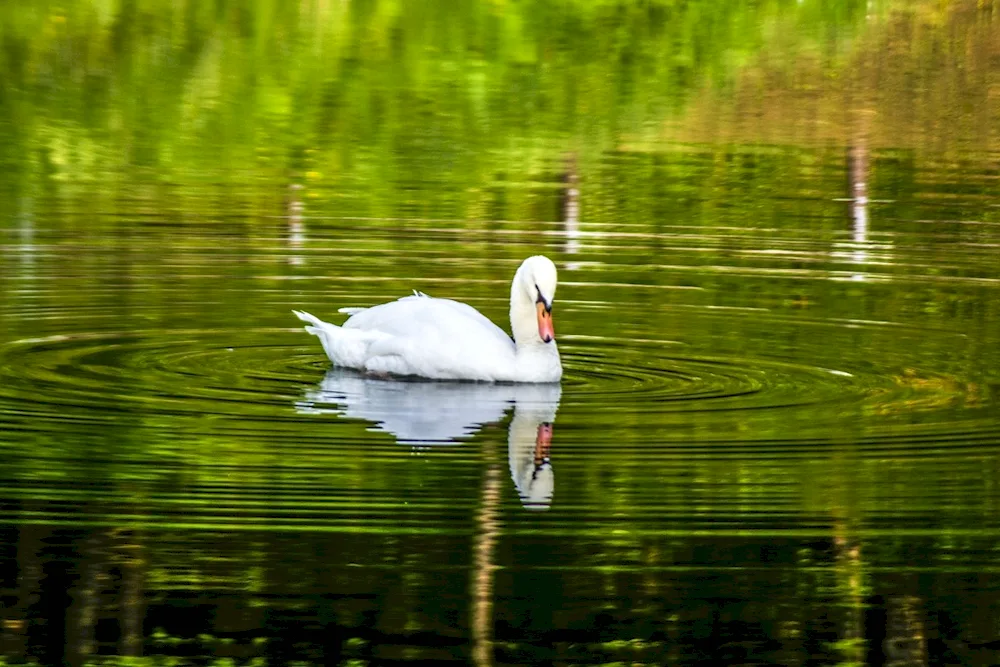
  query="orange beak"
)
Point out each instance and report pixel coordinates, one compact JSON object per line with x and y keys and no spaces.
{"x":543,"y":442}
{"x":545,"y":329}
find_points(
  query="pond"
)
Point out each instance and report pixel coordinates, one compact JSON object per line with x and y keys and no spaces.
{"x":776,"y":439}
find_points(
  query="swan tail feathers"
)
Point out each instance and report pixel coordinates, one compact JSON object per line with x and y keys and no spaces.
{"x":316,"y":326}
{"x":311,"y":319}
{"x":344,"y":347}
{"x":350,"y":311}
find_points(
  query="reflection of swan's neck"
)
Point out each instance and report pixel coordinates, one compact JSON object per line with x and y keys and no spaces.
{"x":528,"y":446}
{"x":524,"y":427}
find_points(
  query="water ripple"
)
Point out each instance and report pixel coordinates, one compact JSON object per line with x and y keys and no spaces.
{"x":258,"y":375}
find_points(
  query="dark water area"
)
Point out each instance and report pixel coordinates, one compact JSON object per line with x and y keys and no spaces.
{"x":776,"y":438}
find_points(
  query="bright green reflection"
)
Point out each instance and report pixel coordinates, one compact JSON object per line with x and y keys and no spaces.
{"x":361,"y":100}
{"x":776,"y":226}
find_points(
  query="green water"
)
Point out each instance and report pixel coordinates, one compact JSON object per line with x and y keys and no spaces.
{"x":776,"y":226}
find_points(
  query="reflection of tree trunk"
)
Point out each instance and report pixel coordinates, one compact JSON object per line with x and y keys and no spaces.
{"x":858,"y":161}
{"x":860,"y":105}
{"x":851,"y":585}
{"x":15,"y":622}
{"x":858,"y":170}
{"x":571,"y":205}
{"x":132,"y":607}
{"x":110,"y":583}
{"x":905,"y":641}
{"x":488,"y":527}
{"x":296,"y":226}
{"x":85,"y":599}
{"x":571,"y":194}
{"x":858,"y":173}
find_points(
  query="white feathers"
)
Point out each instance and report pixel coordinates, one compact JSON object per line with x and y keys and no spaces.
{"x":448,"y":340}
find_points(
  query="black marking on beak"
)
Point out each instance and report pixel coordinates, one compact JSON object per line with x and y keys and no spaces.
{"x":541,"y":300}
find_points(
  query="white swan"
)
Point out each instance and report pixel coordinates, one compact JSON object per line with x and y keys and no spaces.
{"x":448,"y":340}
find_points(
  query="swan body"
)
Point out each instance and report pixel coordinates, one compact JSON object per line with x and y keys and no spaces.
{"x":449,"y":340}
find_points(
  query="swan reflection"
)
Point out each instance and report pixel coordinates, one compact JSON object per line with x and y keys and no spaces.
{"x":424,"y":413}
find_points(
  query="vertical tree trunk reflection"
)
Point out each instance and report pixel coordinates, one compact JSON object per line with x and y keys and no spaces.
{"x":86,"y":598}
{"x":571,"y":208}
{"x":488,"y":529}
{"x":133,"y":609}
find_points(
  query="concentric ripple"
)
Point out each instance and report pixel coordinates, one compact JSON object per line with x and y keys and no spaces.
{"x":664,"y":380}
{"x":49,"y":383}
{"x":198,"y":372}
{"x":97,"y":376}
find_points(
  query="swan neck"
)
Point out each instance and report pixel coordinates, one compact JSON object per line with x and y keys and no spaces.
{"x":535,"y":360}
{"x":523,"y":318}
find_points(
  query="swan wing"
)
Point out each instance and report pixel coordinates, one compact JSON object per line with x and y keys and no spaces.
{"x":427,"y":317}
{"x":437,"y":338}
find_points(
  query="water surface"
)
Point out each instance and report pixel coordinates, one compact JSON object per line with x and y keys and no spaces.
{"x":775,"y":442}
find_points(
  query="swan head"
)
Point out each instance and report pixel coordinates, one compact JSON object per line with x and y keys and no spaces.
{"x":532,"y":294}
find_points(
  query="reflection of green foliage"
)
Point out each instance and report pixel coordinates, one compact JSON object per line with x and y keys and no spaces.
{"x":359,"y":99}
